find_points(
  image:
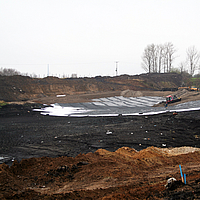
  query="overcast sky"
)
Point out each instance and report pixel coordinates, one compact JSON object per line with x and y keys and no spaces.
{"x":87,"y":37}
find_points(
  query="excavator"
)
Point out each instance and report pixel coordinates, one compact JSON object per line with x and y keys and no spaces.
{"x":190,"y":88}
{"x":172,"y":99}
{"x":194,"y":89}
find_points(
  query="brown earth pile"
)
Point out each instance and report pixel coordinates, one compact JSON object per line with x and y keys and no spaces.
{"x":21,"y":88}
{"x":123,"y":174}
{"x":131,"y":93}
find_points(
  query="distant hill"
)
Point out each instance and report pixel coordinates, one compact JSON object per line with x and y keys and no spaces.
{"x":21,"y":88}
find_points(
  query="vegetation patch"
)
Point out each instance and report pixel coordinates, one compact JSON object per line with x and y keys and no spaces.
{"x":2,"y":103}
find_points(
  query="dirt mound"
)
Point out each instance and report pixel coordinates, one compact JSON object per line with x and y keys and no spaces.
{"x":180,"y":150}
{"x":181,"y":93}
{"x":124,"y":173}
{"x":126,"y":151}
{"x":21,"y":88}
{"x":131,"y":93}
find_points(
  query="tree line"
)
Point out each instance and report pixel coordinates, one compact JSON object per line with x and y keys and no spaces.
{"x":160,"y":59}
{"x":9,"y":72}
{"x":13,"y":72}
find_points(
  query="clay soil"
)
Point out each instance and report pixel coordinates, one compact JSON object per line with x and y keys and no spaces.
{"x":98,"y":158}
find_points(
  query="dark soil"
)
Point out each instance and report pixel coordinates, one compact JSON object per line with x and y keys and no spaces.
{"x":25,"y":133}
{"x":52,"y":159}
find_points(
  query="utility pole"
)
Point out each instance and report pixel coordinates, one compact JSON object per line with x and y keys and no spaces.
{"x":48,"y":70}
{"x":116,"y":67}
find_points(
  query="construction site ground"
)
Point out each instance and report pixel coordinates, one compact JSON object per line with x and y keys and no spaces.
{"x":124,"y":157}
{"x":86,"y":97}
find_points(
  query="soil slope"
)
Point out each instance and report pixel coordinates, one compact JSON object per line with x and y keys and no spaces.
{"x":20,"y":88}
{"x":123,"y":174}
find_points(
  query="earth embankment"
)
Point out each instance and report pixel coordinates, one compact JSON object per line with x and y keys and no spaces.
{"x":123,"y":174}
{"x":21,"y":88}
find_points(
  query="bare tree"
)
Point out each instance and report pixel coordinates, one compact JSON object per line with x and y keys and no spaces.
{"x":158,"y":57}
{"x":193,"y":59}
{"x":182,"y":67}
{"x":153,"y":50}
{"x":160,"y":53}
{"x":165,"y":60}
{"x":171,"y":52}
{"x":147,"y":59}
{"x":168,"y":56}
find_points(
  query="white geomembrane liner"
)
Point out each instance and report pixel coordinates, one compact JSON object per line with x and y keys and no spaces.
{"x":57,"y":110}
{"x":114,"y":106}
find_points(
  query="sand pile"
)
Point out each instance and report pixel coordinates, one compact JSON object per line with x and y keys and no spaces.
{"x":131,"y":93}
{"x":179,"y":150}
